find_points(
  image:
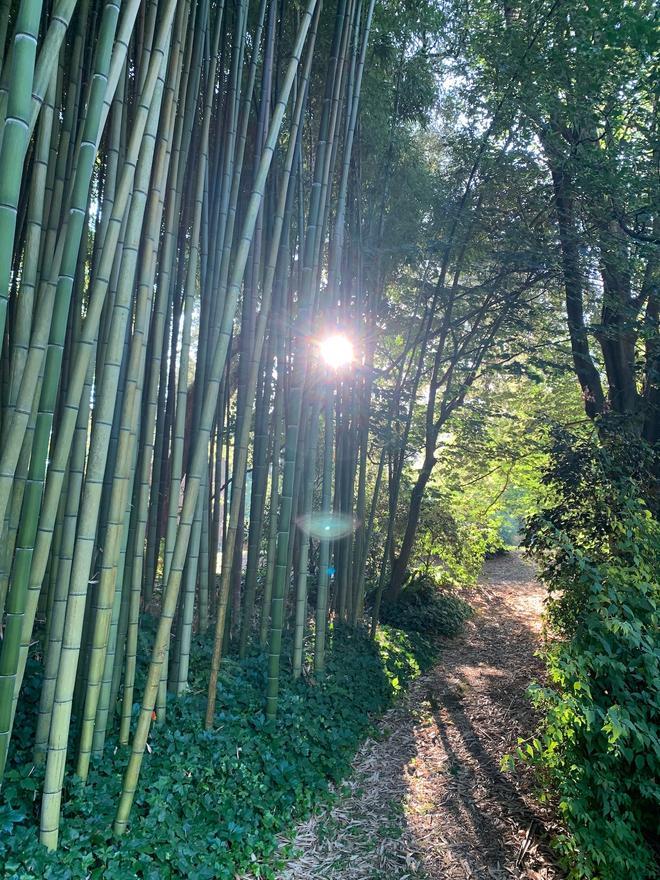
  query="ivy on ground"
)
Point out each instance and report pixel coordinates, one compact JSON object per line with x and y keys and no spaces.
{"x":212,"y":803}
{"x":428,"y":607}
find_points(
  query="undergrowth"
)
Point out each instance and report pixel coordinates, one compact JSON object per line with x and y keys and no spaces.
{"x":425,"y":606}
{"x":211,"y":803}
{"x":599,"y":552}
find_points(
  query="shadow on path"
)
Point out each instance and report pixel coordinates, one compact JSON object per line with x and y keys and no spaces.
{"x":428,"y":799}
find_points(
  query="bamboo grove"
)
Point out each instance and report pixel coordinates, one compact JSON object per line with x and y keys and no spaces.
{"x":176,"y":182}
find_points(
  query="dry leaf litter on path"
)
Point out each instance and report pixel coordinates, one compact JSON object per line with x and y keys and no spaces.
{"x":428,"y":799}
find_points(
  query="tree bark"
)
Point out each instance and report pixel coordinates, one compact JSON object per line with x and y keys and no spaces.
{"x":401,"y":563}
{"x":594,"y":400}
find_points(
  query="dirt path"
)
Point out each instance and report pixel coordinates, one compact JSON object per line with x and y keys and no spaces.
{"x":428,"y":799}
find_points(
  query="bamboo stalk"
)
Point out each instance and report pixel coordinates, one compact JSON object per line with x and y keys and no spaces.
{"x":170,"y":594}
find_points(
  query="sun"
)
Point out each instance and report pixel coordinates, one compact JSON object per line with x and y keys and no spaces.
{"x":336,"y":351}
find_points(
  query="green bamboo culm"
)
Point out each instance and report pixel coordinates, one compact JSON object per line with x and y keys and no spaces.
{"x":242,"y":438}
{"x":15,"y":138}
{"x":209,"y":405}
{"x":49,"y":51}
{"x":309,"y":278}
{"x":71,"y":643}
{"x":324,"y":549}
{"x":17,"y":598}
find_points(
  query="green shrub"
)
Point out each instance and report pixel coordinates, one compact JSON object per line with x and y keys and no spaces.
{"x":599,"y":551}
{"x":211,"y":803}
{"x":450,"y":550}
{"x":425,"y":607}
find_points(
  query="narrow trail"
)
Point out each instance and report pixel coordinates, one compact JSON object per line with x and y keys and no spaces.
{"x":428,"y":799}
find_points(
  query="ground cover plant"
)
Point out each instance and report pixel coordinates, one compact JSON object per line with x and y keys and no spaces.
{"x":426,"y":606}
{"x":213,"y":801}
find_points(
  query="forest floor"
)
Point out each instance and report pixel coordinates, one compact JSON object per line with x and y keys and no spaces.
{"x":427,"y":798}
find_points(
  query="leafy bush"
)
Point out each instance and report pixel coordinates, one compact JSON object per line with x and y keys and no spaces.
{"x":211,"y":803}
{"x":425,"y":607}
{"x":450,"y":550}
{"x":599,"y":550}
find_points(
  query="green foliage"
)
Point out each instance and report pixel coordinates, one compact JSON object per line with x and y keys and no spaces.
{"x":395,"y":644}
{"x":449,"y":551}
{"x":571,"y":89}
{"x":211,"y":803}
{"x":426,"y":607}
{"x":487,"y":482}
{"x":599,"y":550}
{"x":592,"y":506}
{"x":495,"y":450}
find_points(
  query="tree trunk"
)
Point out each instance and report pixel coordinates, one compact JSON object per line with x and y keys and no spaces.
{"x":587,"y":373}
{"x":401,"y":563}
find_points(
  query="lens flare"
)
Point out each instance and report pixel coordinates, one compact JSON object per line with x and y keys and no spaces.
{"x":327,"y":526}
{"x":336,"y":351}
